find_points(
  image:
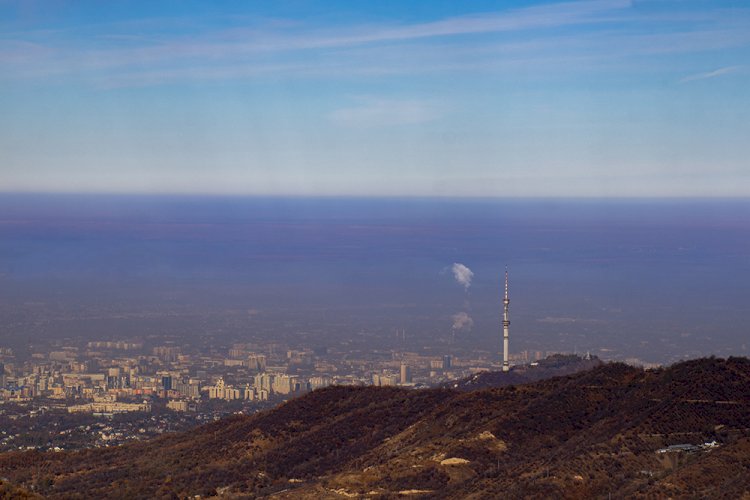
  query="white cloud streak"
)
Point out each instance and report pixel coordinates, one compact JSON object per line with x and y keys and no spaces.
{"x":275,"y":48}
{"x":711,"y":74}
{"x":59,"y":53}
{"x":386,"y":112}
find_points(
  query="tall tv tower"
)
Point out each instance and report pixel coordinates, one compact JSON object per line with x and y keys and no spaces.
{"x":506,"y":325}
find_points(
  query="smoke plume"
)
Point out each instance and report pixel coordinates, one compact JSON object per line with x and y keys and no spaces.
{"x":462,"y":274}
{"x":462,"y":321}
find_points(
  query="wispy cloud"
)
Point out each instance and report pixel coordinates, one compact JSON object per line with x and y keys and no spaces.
{"x":61,"y":52}
{"x":527,"y":39}
{"x":544,"y":16}
{"x":370,"y":111}
{"x":711,"y":74}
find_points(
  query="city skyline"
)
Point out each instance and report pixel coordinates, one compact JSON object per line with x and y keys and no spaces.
{"x":526,"y":98}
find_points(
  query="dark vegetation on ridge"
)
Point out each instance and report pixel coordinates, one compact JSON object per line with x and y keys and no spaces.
{"x":553,"y":366}
{"x":584,"y":435}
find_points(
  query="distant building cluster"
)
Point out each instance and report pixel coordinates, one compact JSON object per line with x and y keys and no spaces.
{"x":109,"y":407}
{"x":117,"y":376}
{"x":110,"y":384}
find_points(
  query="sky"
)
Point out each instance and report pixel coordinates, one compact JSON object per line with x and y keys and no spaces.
{"x":644,"y":98}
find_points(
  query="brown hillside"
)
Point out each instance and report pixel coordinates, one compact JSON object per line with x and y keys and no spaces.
{"x":556,"y":365}
{"x":590,"y":434}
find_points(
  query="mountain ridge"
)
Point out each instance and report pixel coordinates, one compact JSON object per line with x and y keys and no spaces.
{"x":590,"y":434}
{"x":556,"y":365}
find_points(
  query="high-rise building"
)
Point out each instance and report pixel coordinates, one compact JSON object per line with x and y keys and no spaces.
{"x":217,"y":391}
{"x":167,"y":353}
{"x":405,"y":374}
{"x":447,"y":362}
{"x":319,"y":382}
{"x":256,"y":362}
{"x":283,"y":384}
{"x":190,"y":388}
{"x":262,"y":382}
{"x":177,"y":405}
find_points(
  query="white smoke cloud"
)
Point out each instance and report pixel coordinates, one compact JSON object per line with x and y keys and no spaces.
{"x":462,"y":321}
{"x":462,"y":274}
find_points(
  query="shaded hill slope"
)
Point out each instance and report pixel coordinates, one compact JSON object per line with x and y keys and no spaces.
{"x":585,"y":435}
{"x":556,"y":365}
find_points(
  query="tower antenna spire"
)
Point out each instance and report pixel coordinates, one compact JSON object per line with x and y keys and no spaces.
{"x":506,"y":324}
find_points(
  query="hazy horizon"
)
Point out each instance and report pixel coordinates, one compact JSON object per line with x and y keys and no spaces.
{"x":447,"y":197}
{"x":655,"y":279}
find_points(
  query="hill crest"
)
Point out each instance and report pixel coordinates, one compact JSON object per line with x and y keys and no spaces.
{"x":586,"y":434}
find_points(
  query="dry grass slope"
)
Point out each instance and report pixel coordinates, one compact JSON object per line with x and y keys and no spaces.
{"x":583,"y":435}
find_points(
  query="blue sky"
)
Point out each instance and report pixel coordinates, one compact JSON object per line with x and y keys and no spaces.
{"x":430,"y":98}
